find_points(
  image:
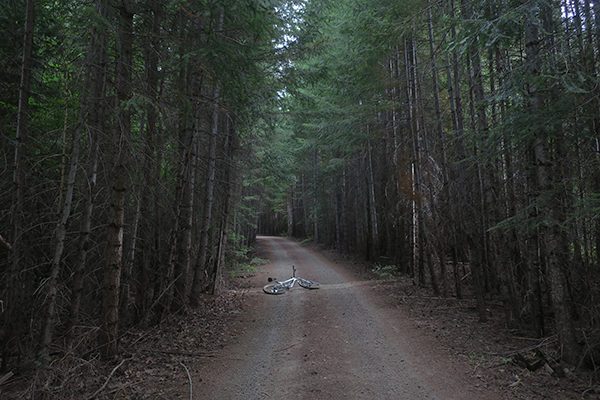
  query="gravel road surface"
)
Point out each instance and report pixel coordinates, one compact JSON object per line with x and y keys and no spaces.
{"x":343,"y":341}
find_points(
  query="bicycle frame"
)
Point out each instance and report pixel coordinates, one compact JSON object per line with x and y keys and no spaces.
{"x":289,"y":282}
{"x":280,"y":287}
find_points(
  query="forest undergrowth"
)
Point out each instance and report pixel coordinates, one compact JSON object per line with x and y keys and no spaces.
{"x":515,"y":363}
{"x":154,"y":362}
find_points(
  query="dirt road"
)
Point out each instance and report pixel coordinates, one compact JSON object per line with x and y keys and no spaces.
{"x":337,"y":342}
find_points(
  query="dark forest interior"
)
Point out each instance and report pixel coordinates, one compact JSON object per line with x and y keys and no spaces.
{"x":146,"y":143}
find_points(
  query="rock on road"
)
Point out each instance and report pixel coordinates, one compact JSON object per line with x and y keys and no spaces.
{"x":337,"y":342}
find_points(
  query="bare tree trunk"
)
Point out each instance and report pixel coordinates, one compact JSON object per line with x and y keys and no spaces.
{"x":421,"y":153}
{"x":129,"y":259}
{"x":553,"y":238}
{"x":84,"y":236}
{"x":185,"y":214}
{"x":343,"y":209}
{"x":181,"y":255}
{"x":202,"y":271}
{"x":457,"y":125}
{"x":506,"y":207}
{"x":10,"y":318}
{"x":475,"y":231}
{"x":121,"y":133}
{"x":290,"y":212}
{"x":97,"y":59}
{"x":304,"y":207}
{"x":374,"y":237}
{"x":440,"y":242}
{"x":151,"y":171}
{"x":315,"y":165}
{"x":214,"y":286}
{"x":61,"y":229}
{"x":419,"y":261}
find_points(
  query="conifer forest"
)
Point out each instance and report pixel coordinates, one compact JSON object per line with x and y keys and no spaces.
{"x":145,"y":143}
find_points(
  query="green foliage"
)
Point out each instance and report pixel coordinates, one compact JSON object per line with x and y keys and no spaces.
{"x":258,"y":261}
{"x":241,"y":270}
{"x":386,"y":271}
{"x":43,"y":359}
{"x":245,"y":269}
{"x":238,"y":261}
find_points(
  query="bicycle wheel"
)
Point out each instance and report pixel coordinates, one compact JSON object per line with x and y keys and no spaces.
{"x":275,"y":288}
{"x":305,"y":283}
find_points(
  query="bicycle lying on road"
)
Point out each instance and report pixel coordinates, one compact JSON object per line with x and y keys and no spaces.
{"x":282,"y":287}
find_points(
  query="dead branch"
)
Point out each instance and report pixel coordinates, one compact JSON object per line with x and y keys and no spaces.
{"x":184,"y":353}
{"x":544,"y":342}
{"x":6,"y":377}
{"x":189,"y":377}
{"x":159,"y":297}
{"x":465,"y":277}
{"x":5,"y":243}
{"x":108,"y":379}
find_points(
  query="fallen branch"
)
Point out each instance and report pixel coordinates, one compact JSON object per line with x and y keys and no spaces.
{"x":544,"y":342}
{"x":184,"y":353}
{"x":515,"y":383}
{"x":189,"y":377}
{"x":6,"y":377}
{"x":108,"y":379}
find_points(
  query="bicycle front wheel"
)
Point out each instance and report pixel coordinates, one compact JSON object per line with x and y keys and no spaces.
{"x":305,"y":283}
{"x":275,"y":288}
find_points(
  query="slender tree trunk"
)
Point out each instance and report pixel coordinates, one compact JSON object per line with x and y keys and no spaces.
{"x":290,"y":212}
{"x":183,"y":241}
{"x":594,"y":46}
{"x":61,"y":231}
{"x":421,"y":154}
{"x":418,"y":259}
{"x":476,"y":232}
{"x":305,"y":214}
{"x":444,"y":162}
{"x":121,"y":133}
{"x":345,"y":233}
{"x":230,"y":179}
{"x":374,"y":237}
{"x":315,"y":165}
{"x":181,"y":254}
{"x":453,"y":192}
{"x":10,"y":318}
{"x":203,"y":273}
{"x":465,"y":220}
{"x":129,"y":260}
{"x":554,"y":241}
{"x":509,"y":241}
{"x":97,"y":59}
{"x":147,"y":220}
